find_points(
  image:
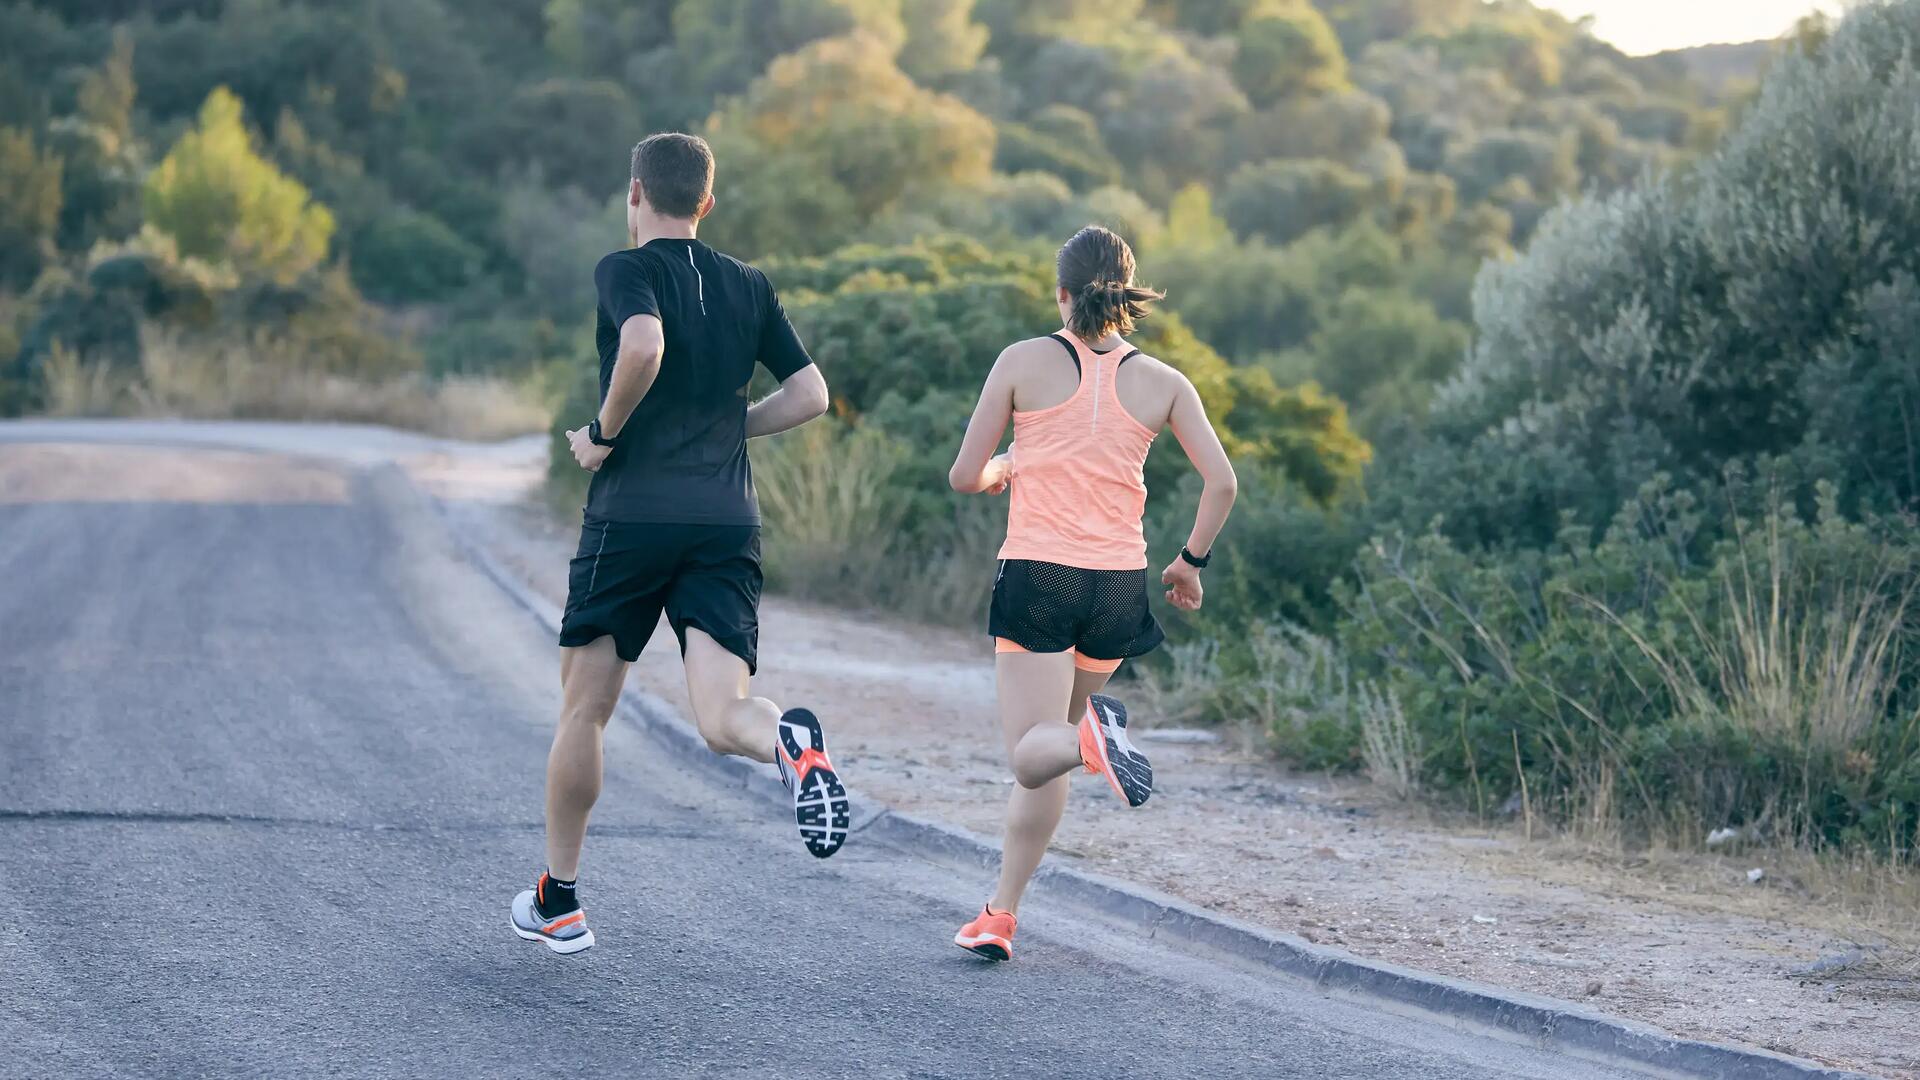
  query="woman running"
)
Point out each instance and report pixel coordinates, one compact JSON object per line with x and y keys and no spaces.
{"x":1070,"y":603}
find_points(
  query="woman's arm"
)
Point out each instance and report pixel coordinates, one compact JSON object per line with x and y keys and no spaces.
{"x":1202,"y":444}
{"x":976,"y":469}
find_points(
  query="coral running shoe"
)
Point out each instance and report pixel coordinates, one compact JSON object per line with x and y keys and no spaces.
{"x":1104,"y":749}
{"x":990,"y":935}
{"x":820,"y":805}
{"x":564,"y":933}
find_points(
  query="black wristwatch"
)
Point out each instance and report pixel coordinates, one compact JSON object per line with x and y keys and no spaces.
{"x":1198,"y":562}
{"x":594,"y":436}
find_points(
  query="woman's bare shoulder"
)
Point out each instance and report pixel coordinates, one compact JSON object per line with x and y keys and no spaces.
{"x":1045,"y":345}
{"x":1158,"y":371}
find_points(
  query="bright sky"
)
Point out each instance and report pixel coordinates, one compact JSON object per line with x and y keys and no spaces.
{"x":1649,"y":26}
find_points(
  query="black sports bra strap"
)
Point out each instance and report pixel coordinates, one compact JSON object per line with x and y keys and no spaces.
{"x":1124,"y":359}
{"x":1073,"y":354}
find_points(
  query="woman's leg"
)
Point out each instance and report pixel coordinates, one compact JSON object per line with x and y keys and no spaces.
{"x":1039,"y":736}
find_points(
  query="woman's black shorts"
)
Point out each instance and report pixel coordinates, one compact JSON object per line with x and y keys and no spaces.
{"x":1046,"y":608}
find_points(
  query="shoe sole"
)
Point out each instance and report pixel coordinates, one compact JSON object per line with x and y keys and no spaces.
{"x":992,"y":950}
{"x":1127,"y":770}
{"x":563,"y":946}
{"x":821,"y":810}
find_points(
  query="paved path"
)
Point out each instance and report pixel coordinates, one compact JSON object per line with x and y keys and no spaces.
{"x":270,"y":758}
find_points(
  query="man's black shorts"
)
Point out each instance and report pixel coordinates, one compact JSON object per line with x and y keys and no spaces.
{"x":626,"y":574}
{"x":1046,"y":608}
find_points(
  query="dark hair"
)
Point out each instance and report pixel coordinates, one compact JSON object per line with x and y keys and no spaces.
{"x":675,"y":172}
{"x":1096,"y":269}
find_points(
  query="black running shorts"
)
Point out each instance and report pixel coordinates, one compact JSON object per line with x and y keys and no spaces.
{"x":1046,"y":608}
{"x":626,"y":574}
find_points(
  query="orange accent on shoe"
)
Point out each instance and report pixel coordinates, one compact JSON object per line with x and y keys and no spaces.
{"x":1093,"y":751}
{"x":1093,"y":748}
{"x":540,"y":890}
{"x":809,"y":760}
{"x":563,"y":922}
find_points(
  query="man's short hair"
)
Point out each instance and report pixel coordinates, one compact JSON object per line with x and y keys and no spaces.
{"x":675,"y":172}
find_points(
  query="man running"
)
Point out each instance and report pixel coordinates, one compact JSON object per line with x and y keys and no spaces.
{"x":671,"y":521}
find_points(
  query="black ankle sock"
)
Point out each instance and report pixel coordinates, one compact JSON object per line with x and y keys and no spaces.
{"x":554,"y":897}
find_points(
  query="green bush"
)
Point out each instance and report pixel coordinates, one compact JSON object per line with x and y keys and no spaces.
{"x":1288,"y":51}
{"x":1659,"y":679}
{"x":1281,"y":201}
{"x":409,"y":256}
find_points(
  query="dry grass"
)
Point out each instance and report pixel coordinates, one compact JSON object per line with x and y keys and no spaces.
{"x":829,"y":494}
{"x":1796,"y":655}
{"x":78,"y":387}
{"x":233,"y":380}
{"x":1387,"y":742}
{"x":1780,"y":661}
{"x":824,"y":488}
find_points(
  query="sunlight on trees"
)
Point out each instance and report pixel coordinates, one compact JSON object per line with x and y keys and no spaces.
{"x":219,"y":199}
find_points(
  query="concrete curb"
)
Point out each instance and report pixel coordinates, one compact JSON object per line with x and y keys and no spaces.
{"x":1532,"y":1018}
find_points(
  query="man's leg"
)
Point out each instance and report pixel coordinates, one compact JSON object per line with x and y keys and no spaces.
{"x":730,"y":718}
{"x":733,"y":721}
{"x":1043,"y":751}
{"x":590,"y":680}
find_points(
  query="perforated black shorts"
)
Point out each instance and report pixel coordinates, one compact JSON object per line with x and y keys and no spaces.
{"x":626,"y":574}
{"x":1046,"y":608}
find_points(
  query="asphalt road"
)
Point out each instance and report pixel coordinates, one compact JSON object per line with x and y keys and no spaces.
{"x":270,"y":766}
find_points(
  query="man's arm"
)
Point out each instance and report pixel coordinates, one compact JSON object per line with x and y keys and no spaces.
{"x":634,"y":368}
{"x":801,"y":397}
{"x":642,"y":341}
{"x":626,"y":298}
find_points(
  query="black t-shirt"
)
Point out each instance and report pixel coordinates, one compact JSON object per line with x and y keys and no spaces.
{"x":682,"y":456}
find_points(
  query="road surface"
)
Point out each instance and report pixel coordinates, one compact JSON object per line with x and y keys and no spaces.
{"x":270,"y":765}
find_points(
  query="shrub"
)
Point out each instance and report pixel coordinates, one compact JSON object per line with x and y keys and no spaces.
{"x":409,"y":256}
{"x":1281,"y":200}
{"x":1660,"y":679}
{"x":1288,"y":51}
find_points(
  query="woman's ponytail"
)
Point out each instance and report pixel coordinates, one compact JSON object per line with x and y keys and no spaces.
{"x":1096,"y":267}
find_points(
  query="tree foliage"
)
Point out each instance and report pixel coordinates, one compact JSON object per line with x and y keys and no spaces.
{"x":29,"y":204}
{"x":219,"y":199}
{"x":1742,"y":311}
{"x":840,"y":116}
{"x":1287,"y":52}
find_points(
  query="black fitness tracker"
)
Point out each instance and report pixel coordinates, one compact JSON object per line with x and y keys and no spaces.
{"x":594,"y":436}
{"x":1198,"y":562}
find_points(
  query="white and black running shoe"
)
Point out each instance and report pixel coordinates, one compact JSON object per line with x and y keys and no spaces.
{"x":564,"y":933}
{"x":820,"y":805}
{"x":1105,"y":749}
